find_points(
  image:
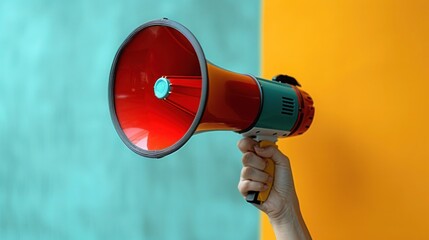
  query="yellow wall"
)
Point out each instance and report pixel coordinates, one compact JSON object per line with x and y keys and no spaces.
{"x":362,"y":170}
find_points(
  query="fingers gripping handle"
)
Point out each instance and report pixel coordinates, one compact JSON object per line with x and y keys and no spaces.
{"x":261,"y":197}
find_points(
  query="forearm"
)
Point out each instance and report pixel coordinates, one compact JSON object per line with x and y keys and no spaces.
{"x":290,"y":225}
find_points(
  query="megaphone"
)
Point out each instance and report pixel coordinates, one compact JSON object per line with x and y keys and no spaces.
{"x":162,"y":90}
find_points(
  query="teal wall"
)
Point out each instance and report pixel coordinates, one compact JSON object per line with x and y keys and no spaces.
{"x":64,"y":173}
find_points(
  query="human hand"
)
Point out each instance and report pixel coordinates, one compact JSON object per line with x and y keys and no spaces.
{"x":282,"y":205}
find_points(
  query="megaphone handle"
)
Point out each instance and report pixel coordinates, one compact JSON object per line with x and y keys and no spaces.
{"x":261,"y":197}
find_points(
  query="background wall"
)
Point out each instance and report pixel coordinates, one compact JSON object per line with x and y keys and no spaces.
{"x":64,"y":173}
{"x":362,"y":170}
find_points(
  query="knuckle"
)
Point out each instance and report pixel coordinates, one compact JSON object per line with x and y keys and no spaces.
{"x":243,"y":143}
{"x":246,"y":185}
{"x":240,"y":144}
{"x":243,"y":186}
{"x":246,"y":172}
{"x":251,"y":159}
{"x":241,"y":189}
{"x":239,"y":186}
{"x":247,"y":157}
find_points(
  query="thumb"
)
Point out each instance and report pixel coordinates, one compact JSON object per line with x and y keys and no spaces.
{"x":274,"y":153}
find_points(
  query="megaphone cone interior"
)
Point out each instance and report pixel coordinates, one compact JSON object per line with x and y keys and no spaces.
{"x":160,"y":93}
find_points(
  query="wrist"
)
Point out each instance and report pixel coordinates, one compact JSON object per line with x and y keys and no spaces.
{"x":289,"y":223}
{"x":286,"y":210}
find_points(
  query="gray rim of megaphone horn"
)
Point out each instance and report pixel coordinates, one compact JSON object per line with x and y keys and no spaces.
{"x":203,"y":68}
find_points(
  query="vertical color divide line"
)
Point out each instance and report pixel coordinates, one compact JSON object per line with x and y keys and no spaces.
{"x":266,"y":232}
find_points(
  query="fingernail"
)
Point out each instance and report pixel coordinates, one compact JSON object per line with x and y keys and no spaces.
{"x":270,"y":179}
{"x":265,"y":187}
